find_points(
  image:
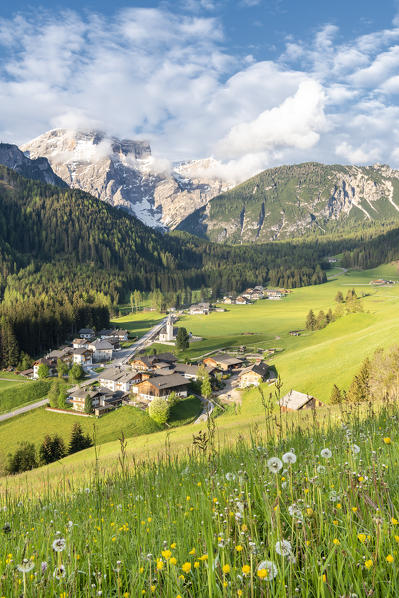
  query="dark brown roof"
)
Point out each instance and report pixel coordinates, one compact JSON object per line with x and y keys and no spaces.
{"x":170,"y":381}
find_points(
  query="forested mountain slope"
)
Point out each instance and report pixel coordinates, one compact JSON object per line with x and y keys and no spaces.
{"x":292,"y":201}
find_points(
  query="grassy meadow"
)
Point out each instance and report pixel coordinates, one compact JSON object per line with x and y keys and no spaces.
{"x":278,"y":514}
{"x":19,"y":393}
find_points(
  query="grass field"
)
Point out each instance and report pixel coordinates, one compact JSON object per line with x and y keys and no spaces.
{"x":137,"y":324}
{"x":310,"y":363}
{"x":312,"y":515}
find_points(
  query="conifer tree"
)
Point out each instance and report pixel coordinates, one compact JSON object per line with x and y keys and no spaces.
{"x":182,"y":339}
{"x":78,"y":441}
{"x":339,"y":298}
{"x":336,"y":395}
{"x":310,"y":321}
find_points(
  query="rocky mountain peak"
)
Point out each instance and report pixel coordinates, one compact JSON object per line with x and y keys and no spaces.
{"x":124,"y":173}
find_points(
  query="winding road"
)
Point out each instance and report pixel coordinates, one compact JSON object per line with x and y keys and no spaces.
{"x":24,"y":409}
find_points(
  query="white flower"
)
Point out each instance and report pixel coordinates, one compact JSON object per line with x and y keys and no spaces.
{"x":59,"y":572}
{"x":70,"y":524}
{"x":59,"y":544}
{"x":270,"y":567}
{"x":355,"y":449}
{"x":292,"y":558}
{"x":289,"y":457}
{"x":334,"y":496}
{"x":283,"y":547}
{"x":230,"y":476}
{"x":321,"y":469}
{"x":25,"y":566}
{"x":295,"y":511}
{"x":274,"y":464}
{"x":326,"y":453}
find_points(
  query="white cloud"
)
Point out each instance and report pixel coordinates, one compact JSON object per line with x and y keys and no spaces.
{"x":295,"y":123}
{"x":166,"y":76}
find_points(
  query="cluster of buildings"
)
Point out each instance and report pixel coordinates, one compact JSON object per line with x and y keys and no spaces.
{"x":381,"y":282}
{"x":149,"y":376}
{"x":87,"y":349}
{"x":253,"y":294}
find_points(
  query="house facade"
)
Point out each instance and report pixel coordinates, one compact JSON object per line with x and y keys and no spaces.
{"x":200,"y":309}
{"x":51,"y":364}
{"x":82,"y":357}
{"x":161,"y":386}
{"x":118,"y":379}
{"x":102,"y":350}
{"x":253,"y":375}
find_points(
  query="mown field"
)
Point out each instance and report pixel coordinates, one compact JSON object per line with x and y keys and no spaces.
{"x":34,"y":425}
{"x":137,"y":324}
{"x":281,"y":513}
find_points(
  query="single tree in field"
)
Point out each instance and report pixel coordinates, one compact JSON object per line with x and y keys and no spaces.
{"x":78,"y":441}
{"x":329,"y":316}
{"x":88,"y":404}
{"x":359,"y":389}
{"x":311,"y":321}
{"x":339,"y":298}
{"x":321,"y":321}
{"x":336,"y":395}
{"x":182,"y":339}
{"x":159,"y":410}
{"x":43,"y":371}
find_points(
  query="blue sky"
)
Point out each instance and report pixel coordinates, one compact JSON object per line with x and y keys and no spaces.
{"x":254,"y":83}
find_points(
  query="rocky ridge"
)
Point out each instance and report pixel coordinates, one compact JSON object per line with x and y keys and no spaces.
{"x":38,"y":169}
{"x":124,"y":173}
{"x":291,"y":201}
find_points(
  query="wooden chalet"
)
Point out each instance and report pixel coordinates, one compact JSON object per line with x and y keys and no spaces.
{"x":295,"y":401}
{"x":223,"y":362}
{"x":161,"y":386}
{"x":253,"y":375}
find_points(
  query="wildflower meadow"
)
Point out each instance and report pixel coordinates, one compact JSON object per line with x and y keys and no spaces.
{"x":314,"y":513}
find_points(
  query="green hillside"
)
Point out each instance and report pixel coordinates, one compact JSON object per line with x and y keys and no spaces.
{"x":290,"y":201}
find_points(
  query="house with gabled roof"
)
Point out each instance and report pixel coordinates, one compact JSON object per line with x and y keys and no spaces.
{"x":254,"y":374}
{"x":87,"y":333}
{"x":102,"y":350}
{"x":295,"y":401}
{"x":161,"y":386}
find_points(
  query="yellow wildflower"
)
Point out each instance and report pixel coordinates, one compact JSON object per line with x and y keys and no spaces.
{"x":394,"y":521}
{"x":390,"y":558}
{"x":336,"y":541}
{"x":361,"y":537}
{"x":368,"y":564}
{"x":238,"y":548}
{"x":387,"y":440}
{"x":226,"y":568}
{"x":246,"y":569}
{"x":261,"y":573}
{"x":173,"y":561}
{"x":166,"y":554}
{"x":186,"y":567}
{"x":160,"y":565}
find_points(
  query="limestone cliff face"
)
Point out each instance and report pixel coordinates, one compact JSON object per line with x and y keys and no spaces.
{"x":39,"y":169}
{"x":123,"y":173}
{"x":291,"y":201}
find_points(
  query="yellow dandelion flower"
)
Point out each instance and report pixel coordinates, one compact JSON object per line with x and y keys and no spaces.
{"x":160,"y":565}
{"x":339,"y":506}
{"x":336,"y":541}
{"x":226,"y":568}
{"x":396,"y":538}
{"x":192,"y":551}
{"x":239,"y":593}
{"x":387,"y":440}
{"x":246,"y":569}
{"x":186,"y":567}
{"x":394,"y":521}
{"x":239,"y":548}
{"x":244,"y":527}
{"x":324,"y":578}
{"x":173,"y":561}
{"x":196,"y":564}
{"x":261,"y":573}
{"x":390,"y":558}
{"x":166,"y":554}
{"x":335,"y":522}
{"x":361,"y":537}
{"x":354,"y":509}
{"x":368,"y":564}
{"x":173,"y":545}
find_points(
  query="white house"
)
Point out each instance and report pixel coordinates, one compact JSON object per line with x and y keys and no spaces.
{"x":80,"y":343}
{"x":200,"y":309}
{"x":118,"y":379}
{"x":51,"y":364}
{"x":102,"y":350}
{"x":82,"y":356}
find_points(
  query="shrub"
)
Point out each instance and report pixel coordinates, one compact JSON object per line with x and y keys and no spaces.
{"x":159,"y":410}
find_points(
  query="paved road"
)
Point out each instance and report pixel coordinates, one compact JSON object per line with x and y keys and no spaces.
{"x":126,"y":354}
{"x":23,"y":409}
{"x":343,"y":271}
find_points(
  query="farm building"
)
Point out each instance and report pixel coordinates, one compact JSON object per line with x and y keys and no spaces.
{"x":223,"y":361}
{"x":295,"y":400}
{"x":254,"y":374}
